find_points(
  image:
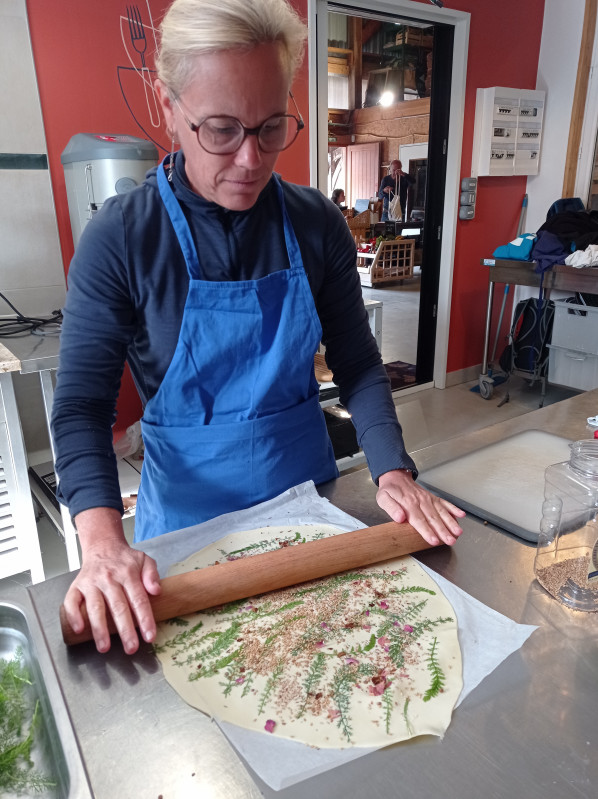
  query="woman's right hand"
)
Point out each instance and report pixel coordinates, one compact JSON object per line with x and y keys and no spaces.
{"x":114,"y":580}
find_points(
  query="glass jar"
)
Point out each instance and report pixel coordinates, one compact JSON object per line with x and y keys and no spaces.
{"x":566,"y":563}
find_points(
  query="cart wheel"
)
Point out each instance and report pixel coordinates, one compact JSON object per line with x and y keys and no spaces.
{"x":486,"y":387}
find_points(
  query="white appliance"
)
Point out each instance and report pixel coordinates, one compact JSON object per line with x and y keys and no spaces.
{"x":100,"y":165}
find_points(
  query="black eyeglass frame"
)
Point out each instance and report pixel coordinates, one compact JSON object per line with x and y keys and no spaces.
{"x":246,"y":131}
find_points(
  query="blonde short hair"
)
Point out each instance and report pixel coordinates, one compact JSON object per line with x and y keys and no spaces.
{"x":196,"y":27}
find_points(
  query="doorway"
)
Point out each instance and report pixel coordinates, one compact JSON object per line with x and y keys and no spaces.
{"x":380,"y":86}
{"x":446,"y":35}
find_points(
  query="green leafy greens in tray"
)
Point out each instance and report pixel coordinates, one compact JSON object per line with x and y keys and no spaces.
{"x":19,"y":719}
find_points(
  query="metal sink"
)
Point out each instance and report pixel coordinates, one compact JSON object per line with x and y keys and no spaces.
{"x":55,"y":753}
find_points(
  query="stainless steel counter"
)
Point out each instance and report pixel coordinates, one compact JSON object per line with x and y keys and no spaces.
{"x":35,"y":353}
{"x":529,"y":730}
{"x":27,"y":353}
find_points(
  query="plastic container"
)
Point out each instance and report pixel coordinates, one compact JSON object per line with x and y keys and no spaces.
{"x":566,"y":563}
{"x":575,"y":327}
{"x":572,"y":368}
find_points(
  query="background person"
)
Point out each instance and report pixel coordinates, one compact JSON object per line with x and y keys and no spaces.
{"x":396,"y":180}
{"x":338,"y":197}
{"x":216,"y":281}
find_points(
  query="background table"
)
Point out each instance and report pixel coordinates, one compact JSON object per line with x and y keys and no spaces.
{"x":521,"y":273}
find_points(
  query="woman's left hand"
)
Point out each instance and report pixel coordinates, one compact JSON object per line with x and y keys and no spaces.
{"x":405,"y":501}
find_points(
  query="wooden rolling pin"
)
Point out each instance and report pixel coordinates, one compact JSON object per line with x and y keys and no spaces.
{"x":258,"y":574}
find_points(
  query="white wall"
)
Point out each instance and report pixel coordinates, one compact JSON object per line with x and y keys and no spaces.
{"x":31,"y":270}
{"x":557,"y":72}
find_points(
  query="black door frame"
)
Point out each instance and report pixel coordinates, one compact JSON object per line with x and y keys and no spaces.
{"x":445,"y":139}
{"x":440,"y":102}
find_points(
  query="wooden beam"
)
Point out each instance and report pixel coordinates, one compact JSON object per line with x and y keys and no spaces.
{"x":409,"y":108}
{"x":338,"y":69}
{"x":391,"y":128}
{"x":370,"y":27}
{"x":355,"y":76}
{"x":579,"y":97}
{"x":339,"y":61}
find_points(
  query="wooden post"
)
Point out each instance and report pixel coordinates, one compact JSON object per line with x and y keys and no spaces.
{"x":355,"y":75}
{"x":579,"y":97}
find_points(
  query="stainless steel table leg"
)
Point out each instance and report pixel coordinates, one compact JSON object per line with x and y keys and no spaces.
{"x":70,"y":534}
{"x":488,"y":325}
{"x":376,"y":325}
{"x":25,"y":527}
{"x":374,"y":309}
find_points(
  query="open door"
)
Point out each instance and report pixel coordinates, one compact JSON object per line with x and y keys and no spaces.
{"x":362,"y":170}
{"x":436,"y":67}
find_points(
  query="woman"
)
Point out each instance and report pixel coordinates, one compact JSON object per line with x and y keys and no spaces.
{"x":395,"y":181}
{"x":338,"y":197}
{"x":216,"y":281}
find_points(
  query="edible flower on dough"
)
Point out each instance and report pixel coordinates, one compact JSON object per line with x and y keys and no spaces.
{"x":379,"y":688}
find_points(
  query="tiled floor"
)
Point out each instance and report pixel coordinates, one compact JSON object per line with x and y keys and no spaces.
{"x":434,"y":415}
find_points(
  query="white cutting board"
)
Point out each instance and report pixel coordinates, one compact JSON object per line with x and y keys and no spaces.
{"x":503,"y":482}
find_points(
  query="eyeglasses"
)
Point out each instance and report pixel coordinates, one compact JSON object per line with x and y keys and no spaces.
{"x":225,"y":135}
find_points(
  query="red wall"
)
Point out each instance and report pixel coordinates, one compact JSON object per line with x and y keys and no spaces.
{"x":500,"y":54}
{"x":77,"y":49}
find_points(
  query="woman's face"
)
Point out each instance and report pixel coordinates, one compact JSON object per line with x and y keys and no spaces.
{"x":248,"y":85}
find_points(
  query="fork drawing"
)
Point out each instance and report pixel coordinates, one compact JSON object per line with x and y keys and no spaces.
{"x":139,"y":42}
{"x":137,"y":32}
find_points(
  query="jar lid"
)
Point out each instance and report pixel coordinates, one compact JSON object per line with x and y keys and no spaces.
{"x":584,"y":456}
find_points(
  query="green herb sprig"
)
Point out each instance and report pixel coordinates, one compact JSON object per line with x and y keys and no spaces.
{"x":437,"y":683}
{"x":19,"y":720}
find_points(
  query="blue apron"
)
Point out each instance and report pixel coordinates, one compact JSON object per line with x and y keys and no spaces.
{"x":237,"y":418}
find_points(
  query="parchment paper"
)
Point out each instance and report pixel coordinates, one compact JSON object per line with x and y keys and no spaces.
{"x":486,"y":637}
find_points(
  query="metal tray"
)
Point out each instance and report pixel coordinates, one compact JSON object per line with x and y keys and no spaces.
{"x":55,"y":753}
{"x":502,"y":482}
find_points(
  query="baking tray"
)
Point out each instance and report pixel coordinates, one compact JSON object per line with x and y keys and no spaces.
{"x":55,"y":753}
{"x":503,"y":482}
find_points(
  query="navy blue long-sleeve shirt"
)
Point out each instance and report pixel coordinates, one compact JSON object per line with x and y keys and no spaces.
{"x":127,"y":288}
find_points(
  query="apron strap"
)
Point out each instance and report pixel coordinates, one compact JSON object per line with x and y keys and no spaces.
{"x":183,"y":231}
{"x":293,"y":251}
{"x":180,"y":224}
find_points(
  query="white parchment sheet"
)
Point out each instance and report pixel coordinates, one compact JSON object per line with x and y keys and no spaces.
{"x":486,"y":637}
